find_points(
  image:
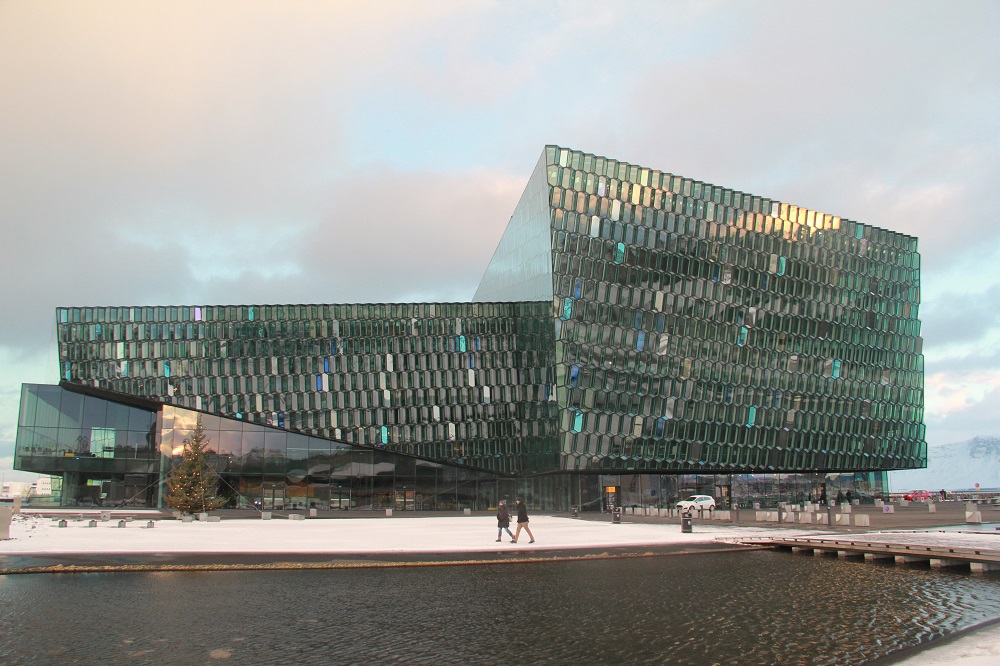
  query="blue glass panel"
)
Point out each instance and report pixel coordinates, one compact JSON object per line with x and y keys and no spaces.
{"x":640,"y":340}
{"x":472,"y":360}
{"x":574,"y":375}
{"x":319,"y":382}
{"x":567,"y":308}
{"x":577,"y":288}
{"x":333,"y":347}
{"x":326,"y":364}
{"x":637,"y":319}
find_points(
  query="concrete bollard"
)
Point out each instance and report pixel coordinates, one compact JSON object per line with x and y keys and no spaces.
{"x":92,"y":523}
{"x":903,"y":502}
{"x":388,"y":512}
{"x":888,"y":508}
{"x":122,"y":523}
{"x":202,"y":517}
{"x":931,"y":508}
{"x":6,"y":516}
{"x":467,"y":512}
{"x":821,"y":518}
{"x":862,"y":520}
{"x":845,"y":508}
{"x":879,"y":504}
{"x":62,"y":523}
{"x":265,"y":515}
{"x":215,"y":519}
{"x":805,"y":518}
{"x":17,"y":505}
{"x":313,"y":513}
{"x":187,"y":518}
{"x":106,"y":516}
{"x":973,"y":517}
{"x":150,"y":524}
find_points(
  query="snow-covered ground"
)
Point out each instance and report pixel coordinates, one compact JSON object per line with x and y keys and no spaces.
{"x":461,"y":534}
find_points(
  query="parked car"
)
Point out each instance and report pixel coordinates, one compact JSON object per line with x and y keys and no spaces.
{"x":696,"y":502}
{"x":918,"y":496}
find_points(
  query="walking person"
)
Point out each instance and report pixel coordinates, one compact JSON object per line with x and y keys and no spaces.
{"x":503,"y":521}
{"x":522,"y":522}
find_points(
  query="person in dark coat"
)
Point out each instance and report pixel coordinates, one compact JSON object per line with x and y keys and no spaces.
{"x":522,"y":522}
{"x":503,"y":521}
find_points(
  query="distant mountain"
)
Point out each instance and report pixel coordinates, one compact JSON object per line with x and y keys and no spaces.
{"x":957,"y":466}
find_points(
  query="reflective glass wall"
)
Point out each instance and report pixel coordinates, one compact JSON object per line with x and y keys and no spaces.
{"x":701,"y":328}
{"x":105,"y":452}
{"x":469,"y":383}
{"x":272,"y":469}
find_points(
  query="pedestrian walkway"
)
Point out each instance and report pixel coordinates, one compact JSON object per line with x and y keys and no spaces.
{"x":38,"y":541}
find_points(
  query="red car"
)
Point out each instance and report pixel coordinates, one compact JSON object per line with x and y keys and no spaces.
{"x":917,"y":496}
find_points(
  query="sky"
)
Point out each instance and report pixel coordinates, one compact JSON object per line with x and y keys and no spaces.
{"x":167,"y":153}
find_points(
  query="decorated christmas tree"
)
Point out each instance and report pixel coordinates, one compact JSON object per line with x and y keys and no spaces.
{"x":192,"y":486}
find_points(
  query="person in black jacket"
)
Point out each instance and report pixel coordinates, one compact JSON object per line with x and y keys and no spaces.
{"x":503,"y":521}
{"x":522,"y":522}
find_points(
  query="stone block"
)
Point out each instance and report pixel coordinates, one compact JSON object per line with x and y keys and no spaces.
{"x":888,"y":508}
{"x":467,"y":512}
{"x":313,"y":513}
{"x":92,"y":523}
{"x":879,"y":504}
{"x":187,"y":518}
{"x":150,"y":524}
{"x":6,"y":515}
{"x":903,"y":502}
{"x":388,"y":512}
{"x":106,"y":515}
{"x":215,"y":519}
{"x":821,"y":518}
{"x":62,"y":523}
{"x":296,"y":516}
{"x":931,"y":508}
{"x":805,"y":518}
{"x":845,"y":508}
{"x":973,"y":517}
{"x":202,"y":516}
{"x":16,"y":508}
{"x":862,"y":520}
{"x":265,"y":515}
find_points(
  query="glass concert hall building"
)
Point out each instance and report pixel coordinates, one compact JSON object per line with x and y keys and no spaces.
{"x":634,"y":329}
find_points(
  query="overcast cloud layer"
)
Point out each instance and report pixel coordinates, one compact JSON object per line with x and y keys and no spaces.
{"x":252,"y":152}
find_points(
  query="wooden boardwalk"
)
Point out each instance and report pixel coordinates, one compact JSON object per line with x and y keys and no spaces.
{"x":976,"y":551}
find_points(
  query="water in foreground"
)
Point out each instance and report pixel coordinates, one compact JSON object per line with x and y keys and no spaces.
{"x":748,"y":608}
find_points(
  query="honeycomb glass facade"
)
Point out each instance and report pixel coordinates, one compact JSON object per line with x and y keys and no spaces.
{"x":630,"y":321}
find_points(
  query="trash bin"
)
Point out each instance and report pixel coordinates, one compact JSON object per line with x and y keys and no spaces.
{"x":616,"y":515}
{"x":686,"y":522}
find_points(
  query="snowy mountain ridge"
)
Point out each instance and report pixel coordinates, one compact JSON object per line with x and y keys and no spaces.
{"x":958,"y":466}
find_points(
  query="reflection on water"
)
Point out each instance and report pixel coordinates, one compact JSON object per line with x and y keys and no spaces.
{"x":740,"y":608}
